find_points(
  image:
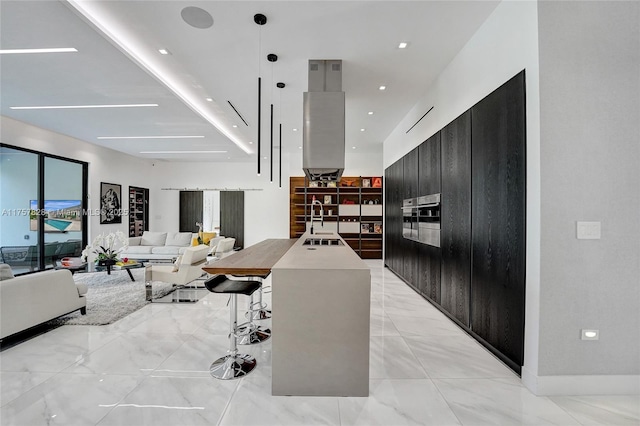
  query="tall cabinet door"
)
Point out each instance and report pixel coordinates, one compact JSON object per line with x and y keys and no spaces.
{"x":410,"y":190}
{"x":455,"y":217}
{"x":498,"y":216}
{"x":393,"y":215}
{"x":429,"y":257}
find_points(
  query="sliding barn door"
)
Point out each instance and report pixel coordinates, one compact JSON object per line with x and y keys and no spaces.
{"x":232,"y":215}
{"x":190,"y":210}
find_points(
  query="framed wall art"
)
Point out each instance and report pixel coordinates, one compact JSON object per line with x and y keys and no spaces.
{"x":110,"y":203}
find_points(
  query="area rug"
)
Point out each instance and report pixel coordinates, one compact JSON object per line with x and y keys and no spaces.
{"x":112,"y":297}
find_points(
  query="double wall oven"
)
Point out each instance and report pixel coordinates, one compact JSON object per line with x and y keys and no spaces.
{"x":421,"y":219}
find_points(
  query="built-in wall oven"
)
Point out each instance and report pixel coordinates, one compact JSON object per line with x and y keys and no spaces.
{"x":410,"y":219}
{"x":421,"y":219}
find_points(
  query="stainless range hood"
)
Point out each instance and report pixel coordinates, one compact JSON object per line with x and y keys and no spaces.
{"x":323,"y":126}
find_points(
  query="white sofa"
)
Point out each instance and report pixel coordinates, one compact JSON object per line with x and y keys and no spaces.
{"x":162,"y":245}
{"x":186,"y":270}
{"x":29,"y":300}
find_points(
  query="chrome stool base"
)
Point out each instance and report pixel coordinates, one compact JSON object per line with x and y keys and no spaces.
{"x":232,"y":366}
{"x":259,"y":315}
{"x":252,"y":334}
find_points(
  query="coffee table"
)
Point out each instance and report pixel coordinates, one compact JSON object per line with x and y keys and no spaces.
{"x":97,"y":268}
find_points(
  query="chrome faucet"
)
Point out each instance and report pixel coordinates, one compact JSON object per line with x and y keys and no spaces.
{"x":321,"y":214}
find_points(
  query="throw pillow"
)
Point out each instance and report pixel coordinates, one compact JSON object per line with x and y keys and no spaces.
{"x":176,"y":264}
{"x":194,"y":242}
{"x":207,"y":236}
{"x":5,"y":272}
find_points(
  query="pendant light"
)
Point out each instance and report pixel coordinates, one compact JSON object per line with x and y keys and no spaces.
{"x":280,"y":85}
{"x":259,"y":19}
{"x":271,"y":58}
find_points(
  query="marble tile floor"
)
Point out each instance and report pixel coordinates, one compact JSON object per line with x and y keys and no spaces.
{"x":151,"y":368}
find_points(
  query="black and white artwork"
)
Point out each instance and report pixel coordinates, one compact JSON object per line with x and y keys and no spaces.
{"x":110,"y":204}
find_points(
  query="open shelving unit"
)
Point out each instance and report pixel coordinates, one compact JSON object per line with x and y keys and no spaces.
{"x":138,"y":211}
{"x":353,"y":208}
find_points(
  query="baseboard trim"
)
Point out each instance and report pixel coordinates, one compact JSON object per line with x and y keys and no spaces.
{"x":581,"y":385}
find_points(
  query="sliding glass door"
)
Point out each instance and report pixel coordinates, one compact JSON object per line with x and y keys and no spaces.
{"x":19,"y":183}
{"x":43,"y":200}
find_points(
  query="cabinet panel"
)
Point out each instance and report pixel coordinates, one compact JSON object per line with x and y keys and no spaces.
{"x":429,"y":166}
{"x":429,"y":272}
{"x":410,"y":177}
{"x":498,"y":216}
{"x":393,"y":215}
{"x":455,"y":210}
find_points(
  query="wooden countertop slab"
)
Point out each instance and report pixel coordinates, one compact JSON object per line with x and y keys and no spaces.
{"x":254,"y":261}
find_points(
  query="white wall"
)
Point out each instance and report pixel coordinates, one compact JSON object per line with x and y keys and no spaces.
{"x":590,"y":157}
{"x":266,"y":212}
{"x":503,"y":46}
{"x":105,"y":165}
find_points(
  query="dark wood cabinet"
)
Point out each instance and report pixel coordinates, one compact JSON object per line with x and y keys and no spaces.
{"x":410,"y":175}
{"x":429,"y":166}
{"x":498,"y":217}
{"x":393,"y":215}
{"x":478,"y":165}
{"x":455,"y":216}
{"x":429,"y":260}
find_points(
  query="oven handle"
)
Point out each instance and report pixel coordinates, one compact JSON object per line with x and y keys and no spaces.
{"x":429,"y":205}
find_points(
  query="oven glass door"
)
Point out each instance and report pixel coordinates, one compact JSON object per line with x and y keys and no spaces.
{"x":410,"y":223}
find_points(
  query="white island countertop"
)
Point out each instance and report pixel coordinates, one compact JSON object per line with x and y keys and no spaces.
{"x":319,"y":256}
{"x":321,"y":302}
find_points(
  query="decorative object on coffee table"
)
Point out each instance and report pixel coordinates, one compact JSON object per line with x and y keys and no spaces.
{"x":107,"y":249}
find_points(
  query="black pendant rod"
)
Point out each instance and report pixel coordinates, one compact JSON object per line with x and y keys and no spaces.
{"x":280,"y":160}
{"x":259,"y":19}
{"x":259,"y":118}
{"x":271,"y":156}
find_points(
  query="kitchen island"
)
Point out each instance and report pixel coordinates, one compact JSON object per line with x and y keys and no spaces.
{"x":320,"y":301}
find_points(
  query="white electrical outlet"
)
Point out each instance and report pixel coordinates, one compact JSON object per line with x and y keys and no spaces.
{"x":589,"y":334}
{"x":588,"y":230}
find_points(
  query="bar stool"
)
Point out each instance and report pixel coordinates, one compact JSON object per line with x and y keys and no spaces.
{"x":250,"y":333}
{"x":257,"y":310}
{"x":233,"y":365}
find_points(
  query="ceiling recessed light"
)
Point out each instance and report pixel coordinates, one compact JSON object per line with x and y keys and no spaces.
{"x":353,"y":147}
{"x":164,"y":52}
{"x":362,"y":130}
{"x":266,"y":158}
{"x":402,"y":45}
{"x":295,"y":130}
{"x":250,"y":142}
{"x":235,"y":125}
{"x":209,"y":99}
{"x":370,"y":113}
{"x":84,"y":106}
{"x":382,"y":87}
{"x":299,"y":147}
{"x":150,"y":137}
{"x":51,"y":50}
{"x":183,"y":152}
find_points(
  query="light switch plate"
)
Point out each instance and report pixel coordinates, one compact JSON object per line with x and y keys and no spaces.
{"x":588,"y":230}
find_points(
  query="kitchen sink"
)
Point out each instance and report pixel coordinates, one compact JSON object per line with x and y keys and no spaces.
{"x":322,"y":242}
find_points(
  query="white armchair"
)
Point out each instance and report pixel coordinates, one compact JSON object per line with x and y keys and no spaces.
{"x":186,"y":269}
{"x":224,"y":247}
